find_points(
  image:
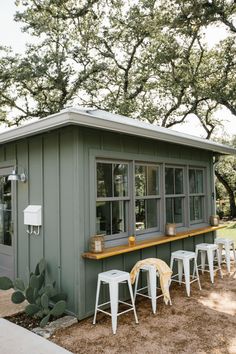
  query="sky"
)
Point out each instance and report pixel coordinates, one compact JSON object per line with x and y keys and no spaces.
{"x":11,"y":35}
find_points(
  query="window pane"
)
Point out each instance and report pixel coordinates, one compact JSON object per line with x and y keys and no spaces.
{"x":196,"y":208}
{"x":153,"y":180}
{"x":169,"y":210}
{"x":151,"y":213}
{"x":178,"y":210}
{"x":146,"y":214}
{"x":140,"y":214}
{"x":174,"y":210}
{"x":103,"y":214}
{"x":178,"y":181}
{"x":120,"y":174}
{"x":191,"y":181}
{"x":169,"y":180}
{"x":104,"y":180}
{"x":5,"y":212}
{"x":140,"y":180}
{"x":118,"y":217}
{"x":199,"y":181}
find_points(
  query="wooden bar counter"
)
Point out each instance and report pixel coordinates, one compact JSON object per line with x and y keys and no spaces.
{"x":114,"y":251}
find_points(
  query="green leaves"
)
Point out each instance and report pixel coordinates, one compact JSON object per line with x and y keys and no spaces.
{"x":147,"y":59}
{"x":19,"y":284}
{"x":17,"y":297}
{"x":5,"y":283}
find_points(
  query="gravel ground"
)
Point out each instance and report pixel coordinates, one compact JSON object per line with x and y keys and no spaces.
{"x":203,"y":323}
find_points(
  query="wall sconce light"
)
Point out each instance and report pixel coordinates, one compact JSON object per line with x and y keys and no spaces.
{"x":14,"y":176}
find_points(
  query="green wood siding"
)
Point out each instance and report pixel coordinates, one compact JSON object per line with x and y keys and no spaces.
{"x":60,"y":167}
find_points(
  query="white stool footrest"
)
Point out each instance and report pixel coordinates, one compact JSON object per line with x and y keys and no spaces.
{"x":148,"y":296}
{"x":194,"y":278}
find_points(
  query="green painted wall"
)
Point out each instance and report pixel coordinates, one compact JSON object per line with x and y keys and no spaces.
{"x":58,"y":166}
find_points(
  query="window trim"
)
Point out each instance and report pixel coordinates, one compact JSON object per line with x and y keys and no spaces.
{"x":104,"y":155}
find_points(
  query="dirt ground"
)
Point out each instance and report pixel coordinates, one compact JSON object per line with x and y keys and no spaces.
{"x":203,"y":323}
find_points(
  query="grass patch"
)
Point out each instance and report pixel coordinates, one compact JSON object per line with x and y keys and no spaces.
{"x":228,"y":232}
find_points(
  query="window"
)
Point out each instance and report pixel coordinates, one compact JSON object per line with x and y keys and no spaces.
{"x":146,"y":197}
{"x":128,"y":197}
{"x":174,"y":190}
{"x":196,"y":194}
{"x":112,"y":198}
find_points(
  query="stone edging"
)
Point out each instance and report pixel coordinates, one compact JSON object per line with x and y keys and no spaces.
{"x":53,"y":326}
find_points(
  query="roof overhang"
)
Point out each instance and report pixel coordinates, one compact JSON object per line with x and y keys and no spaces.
{"x":103,"y":120}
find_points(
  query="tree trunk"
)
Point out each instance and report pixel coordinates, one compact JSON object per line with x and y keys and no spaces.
{"x":230,"y":192}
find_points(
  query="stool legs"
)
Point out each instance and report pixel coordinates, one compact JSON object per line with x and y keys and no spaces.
{"x":113,"y":289}
{"x":211,"y":265}
{"x":227,"y":256}
{"x":97,"y":298}
{"x":197,"y":274}
{"x":180,"y":270}
{"x":152,"y":285}
{"x":234,"y":254}
{"x":219,"y":264}
{"x":187,"y":275}
{"x":132,"y":300}
{"x":203,"y":260}
{"x":220,"y":247}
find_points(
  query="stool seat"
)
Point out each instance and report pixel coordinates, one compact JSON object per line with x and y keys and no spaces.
{"x":209,"y":250}
{"x":113,"y":278}
{"x":227,"y":244}
{"x":206,"y":246}
{"x":181,"y":254}
{"x":183,"y":258}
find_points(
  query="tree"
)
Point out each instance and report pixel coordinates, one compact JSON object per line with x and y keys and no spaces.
{"x":49,"y":75}
{"x":146,"y":59}
{"x":225,"y":171}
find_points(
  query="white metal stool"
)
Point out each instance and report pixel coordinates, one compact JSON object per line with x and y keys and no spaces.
{"x":151,"y":285}
{"x":209,"y":250}
{"x":227,"y":244}
{"x":184,"y":258}
{"x":113,"y":278}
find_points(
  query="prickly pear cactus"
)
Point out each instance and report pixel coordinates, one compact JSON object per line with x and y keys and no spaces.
{"x":44,"y":300}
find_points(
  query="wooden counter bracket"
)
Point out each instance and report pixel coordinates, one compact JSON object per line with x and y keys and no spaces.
{"x":114,"y":251}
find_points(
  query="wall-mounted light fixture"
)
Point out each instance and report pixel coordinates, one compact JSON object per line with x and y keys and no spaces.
{"x":14,"y":176}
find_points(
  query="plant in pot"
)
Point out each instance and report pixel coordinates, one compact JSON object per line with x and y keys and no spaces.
{"x":43,"y":298}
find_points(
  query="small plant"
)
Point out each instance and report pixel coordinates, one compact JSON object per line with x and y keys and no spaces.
{"x":39,"y":295}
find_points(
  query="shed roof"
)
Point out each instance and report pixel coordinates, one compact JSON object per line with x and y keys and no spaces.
{"x":104,"y":120}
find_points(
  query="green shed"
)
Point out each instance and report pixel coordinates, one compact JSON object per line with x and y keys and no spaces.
{"x":91,"y":172}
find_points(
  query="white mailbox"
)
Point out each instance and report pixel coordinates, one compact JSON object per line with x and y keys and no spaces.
{"x":33,"y":215}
